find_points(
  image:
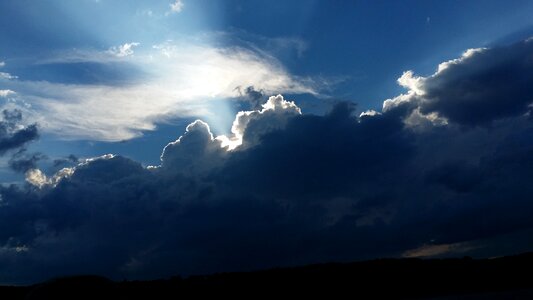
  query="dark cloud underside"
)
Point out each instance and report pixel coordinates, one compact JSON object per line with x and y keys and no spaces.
{"x":300,"y":188}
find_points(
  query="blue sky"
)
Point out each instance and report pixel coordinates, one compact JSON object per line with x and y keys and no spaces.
{"x":349,"y":50}
{"x":157,"y":138}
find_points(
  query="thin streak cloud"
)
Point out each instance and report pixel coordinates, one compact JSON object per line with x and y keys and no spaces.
{"x":178,"y":81}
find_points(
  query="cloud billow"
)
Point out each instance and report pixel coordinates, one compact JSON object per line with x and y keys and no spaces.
{"x":482,"y":86}
{"x":286,"y":188}
{"x":12,"y":134}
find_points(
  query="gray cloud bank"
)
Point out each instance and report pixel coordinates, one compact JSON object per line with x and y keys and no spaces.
{"x":13,"y":135}
{"x":450,"y":162}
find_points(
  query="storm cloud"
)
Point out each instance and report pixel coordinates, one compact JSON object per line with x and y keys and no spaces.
{"x":286,"y":188}
{"x":13,"y":134}
{"x":481,"y":86}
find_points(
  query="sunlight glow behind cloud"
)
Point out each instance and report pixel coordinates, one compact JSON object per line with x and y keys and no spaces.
{"x":276,"y":107}
{"x":181,"y":79}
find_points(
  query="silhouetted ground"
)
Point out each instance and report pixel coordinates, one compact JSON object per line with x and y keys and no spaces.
{"x":500,"y":278}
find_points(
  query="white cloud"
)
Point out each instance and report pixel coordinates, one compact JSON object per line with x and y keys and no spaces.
{"x":211,"y":71}
{"x":369,"y":113}
{"x":37,"y":178}
{"x":4,"y":75}
{"x":196,"y":151}
{"x":2,"y":64}
{"x":461,"y":92}
{"x":5,"y":93}
{"x":412,"y":82}
{"x":416,"y":84}
{"x":123,"y":50}
{"x":276,"y":111}
{"x":466,"y":55}
{"x":176,"y":6}
{"x":181,"y":81}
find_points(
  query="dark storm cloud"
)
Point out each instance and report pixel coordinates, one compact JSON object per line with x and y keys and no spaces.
{"x":194,"y":152}
{"x":482,"y":86}
{"x":11,"y":135}
{"x":254,"y":98}
{"x":322,"y":155}
{"x":71,"y":159}
{"x":300,"y":188}
{"x":21,"y":161}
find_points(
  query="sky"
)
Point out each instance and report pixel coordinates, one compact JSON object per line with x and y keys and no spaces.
{"x":155,"y":138}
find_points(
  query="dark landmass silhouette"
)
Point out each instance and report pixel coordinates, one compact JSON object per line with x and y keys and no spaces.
{"x":411,"y":278}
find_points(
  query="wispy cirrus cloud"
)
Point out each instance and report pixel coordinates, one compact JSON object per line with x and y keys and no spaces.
{"x":177,"y":80}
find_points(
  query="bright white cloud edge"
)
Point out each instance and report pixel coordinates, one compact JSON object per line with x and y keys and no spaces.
{"x":274,"y":114}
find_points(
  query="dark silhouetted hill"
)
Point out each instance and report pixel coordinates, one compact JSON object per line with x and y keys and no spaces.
{"x":465,"y":278}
